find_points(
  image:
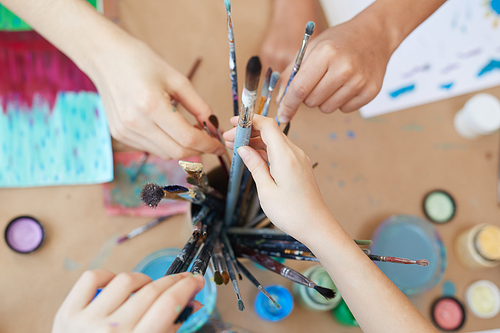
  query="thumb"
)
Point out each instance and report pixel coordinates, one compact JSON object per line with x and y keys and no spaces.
{"x":256,"y":165}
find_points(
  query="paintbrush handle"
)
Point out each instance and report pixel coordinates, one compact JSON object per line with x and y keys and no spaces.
{"x":149,"y":225}
{"x":201,"y":262}
{"x":247,"y":274}
{"x":242,"y":139}
{"x":181,"y":258}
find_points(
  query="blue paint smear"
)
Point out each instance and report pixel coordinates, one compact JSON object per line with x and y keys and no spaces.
{"x":43,"y":155}
{"x":449,"y":288}
{"x":333,"y":136}
{"x":495,"y":5}
{"x":351,"y":134}
{"x":492,"y":65}
{"x":401,"y":91}
{"x":447,"y":86}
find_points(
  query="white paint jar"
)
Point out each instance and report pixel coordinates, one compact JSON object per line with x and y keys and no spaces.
{"x":479,"y":116}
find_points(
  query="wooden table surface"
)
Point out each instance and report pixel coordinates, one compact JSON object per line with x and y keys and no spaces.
{"x":368,"y":170}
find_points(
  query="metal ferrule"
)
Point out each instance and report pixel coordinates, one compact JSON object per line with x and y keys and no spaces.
{"x":302,"y":50}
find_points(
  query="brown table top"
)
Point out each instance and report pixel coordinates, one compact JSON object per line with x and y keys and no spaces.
{"x":384,"y":167}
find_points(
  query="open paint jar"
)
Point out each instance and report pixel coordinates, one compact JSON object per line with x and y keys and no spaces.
{"x":310,"y":298}
{"x":24,"y":234}
{"x":483,"y":299}
{"x":156,"y":264}
{"x":479,"y":246}
{"x":410,"y":237}
{"x":448,"y":314}
{"x":266,"y":309}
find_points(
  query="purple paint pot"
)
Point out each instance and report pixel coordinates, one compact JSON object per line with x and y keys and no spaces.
{"x":24,"y":234}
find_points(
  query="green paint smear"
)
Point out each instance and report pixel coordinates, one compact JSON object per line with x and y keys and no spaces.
{"x":10,"y":22}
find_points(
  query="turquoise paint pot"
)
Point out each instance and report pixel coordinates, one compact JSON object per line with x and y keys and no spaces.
{"x":156,"y":264}
{"x":411,"y":237}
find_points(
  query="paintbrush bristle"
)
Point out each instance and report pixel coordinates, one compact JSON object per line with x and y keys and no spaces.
{"x":227,"y":3}
{"x":310,"y":28}
{"x":265,"y":85}
{"x":241,"y":306}
{"x":287,"y":128}
{"x":423,"y":262}
{"x":225,"y":277}
{"x":274,"y":79}
{"x":254,"y":68}
{"x":218,"y":279}
{"x":151,"y":194}
{"x":239,"y":276}
{"x":188,"y":310}
{"x":191,"y":166}
{"x":121,"y":239}
{"x":214,"y":120}
{"x":325,"y":292}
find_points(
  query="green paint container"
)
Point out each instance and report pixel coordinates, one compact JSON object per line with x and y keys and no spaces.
{"x":310,"y":298}
{"x":343,"y":315}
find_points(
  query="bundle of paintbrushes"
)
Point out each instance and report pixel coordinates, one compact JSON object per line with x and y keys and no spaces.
{"x":228,"y":226}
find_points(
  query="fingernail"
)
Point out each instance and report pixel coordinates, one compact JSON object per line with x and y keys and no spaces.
{"x":244,"y":153}
{"x":283,"y":119}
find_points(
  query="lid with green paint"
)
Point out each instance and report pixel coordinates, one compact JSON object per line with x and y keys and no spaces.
{"x":439,"y":206}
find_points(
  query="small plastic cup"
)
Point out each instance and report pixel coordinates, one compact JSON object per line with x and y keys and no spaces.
{"x":266,"y":310}
{"x":479,"y":116}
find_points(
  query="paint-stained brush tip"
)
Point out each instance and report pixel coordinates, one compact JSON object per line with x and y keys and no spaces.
{"x":225,"y":277}
{"x":121,"y":239}
{"x":254,"y":68}
{"x":274,"y":79}
{"x":423,"y":262}
{"x":241,"y":306}
{"x":218,"y":279}
{"x":227,"y":3}
{"x":240,"y":277}
{"x":325,"y":292}
{"x":151,"y":194}
{"x":310,"y":28}
{"x":214,"y":120}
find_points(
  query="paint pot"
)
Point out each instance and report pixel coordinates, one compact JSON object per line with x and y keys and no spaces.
{"x":479,"y":246}
{"x":479,"y":116}
{"x":310,"y":298}
{"x":439,"y":206}
{"x":483,"y":299}
{"x":448,"y":314}
{"x":411,"y":237}
{"x":343,"y":315}
{"x":156,"y":264}
{"x":24,"y":234}
{"x":266,"y":309}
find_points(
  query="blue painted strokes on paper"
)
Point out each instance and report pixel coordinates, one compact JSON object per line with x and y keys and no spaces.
{"x":67,"y":145}
{"x":495,"y":5}
{"x":403,"y":90}
{"x":492,"y":65}
{"x":446,"y":86}
{"x":350,"y":134}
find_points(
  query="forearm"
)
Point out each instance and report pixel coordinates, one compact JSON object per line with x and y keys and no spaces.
{"x":378,"y":305}
{"x":399,"y":17}
{"x":73,"y":26}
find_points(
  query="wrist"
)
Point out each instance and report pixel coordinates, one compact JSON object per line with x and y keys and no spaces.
{"x":283,"y":10}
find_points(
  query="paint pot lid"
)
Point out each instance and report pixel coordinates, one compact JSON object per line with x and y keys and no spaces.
{"x":488,"y":242}
{"x":266,"y":310}
{"x":439,"y":206}
{"x":483,"y":298}
{"x":483,"y":113}
{"x":24,"y":234}
{"x":448,"y":313}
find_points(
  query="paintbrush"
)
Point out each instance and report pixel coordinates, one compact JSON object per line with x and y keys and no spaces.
{"x":421,"y":262}
{"x":198,"y":220}
{"x":256,"y":283}
{"x":263,"y":91}
{"x":232,"y":275}
{"x":309,"y":31}
{"x":141,"y":229}
{"x":243,"y":132}
{"x":189,"y":76}
{"x":225,"y":160}
{"x":142,"y":161}
{"x":217,"y":276}
{"x":152,"y":194}
{"x":201,"y":261}
{"x":225,"y":275}
{"x":191,"y":256}
{"x":272,"y":83}
{"x":284,"y":255}
{"x":232,"y":56}
{"x":229,"y":249}
{"x":287,"y":128}
{"x":285,"y":271}
{"x":181,"y":258}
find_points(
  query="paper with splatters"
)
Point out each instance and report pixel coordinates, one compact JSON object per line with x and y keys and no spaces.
{"x":454,"y":52}
{"x":121,"y":196}
{"x":68,"y":145}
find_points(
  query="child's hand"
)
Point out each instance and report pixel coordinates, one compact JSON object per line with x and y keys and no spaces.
{"x":287,"y":190}
{"x":153,"y":308}
{"x":343,"y":68}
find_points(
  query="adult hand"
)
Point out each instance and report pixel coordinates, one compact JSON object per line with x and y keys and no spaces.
{"x":153,"y":308}
{"x":343,"y":68}
{"x":288,"y":21}
{"x":288,"y":192}
{"x":137,"y":88}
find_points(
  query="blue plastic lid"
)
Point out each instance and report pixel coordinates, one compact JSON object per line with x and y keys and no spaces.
{"x":266,"y":310}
